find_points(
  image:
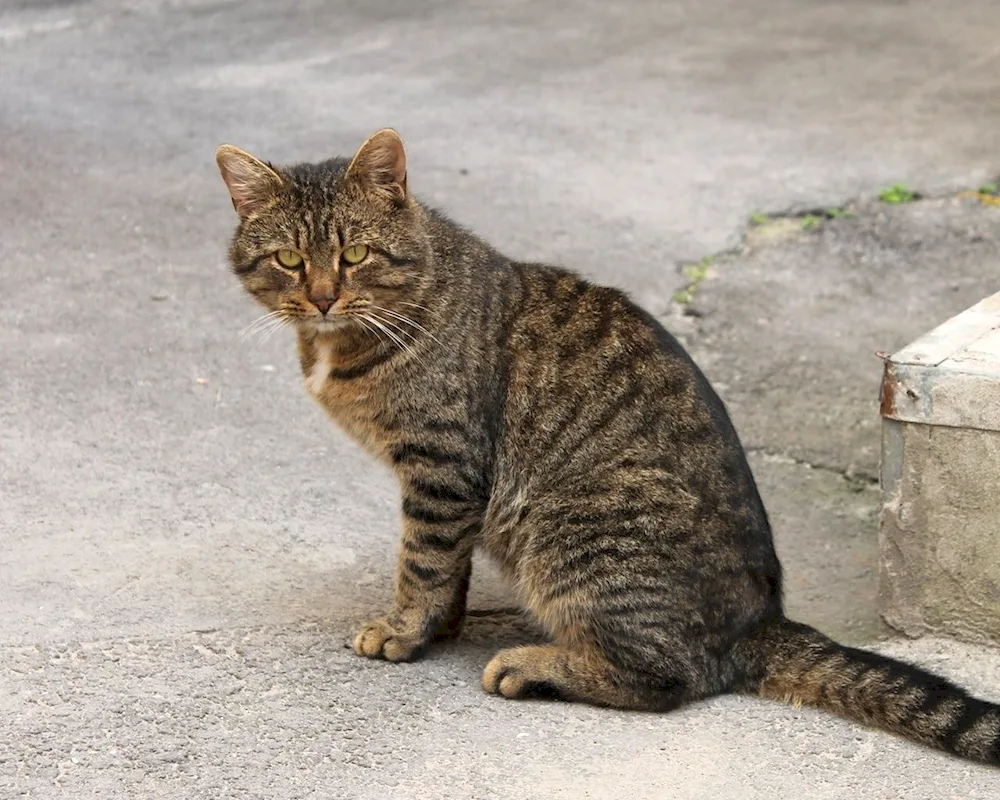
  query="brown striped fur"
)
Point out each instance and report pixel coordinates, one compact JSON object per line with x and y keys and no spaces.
{"x":558,"y":427}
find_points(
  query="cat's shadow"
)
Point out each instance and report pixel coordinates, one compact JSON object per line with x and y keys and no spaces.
{"x":492,"y":629}
{"x":486,"y":631}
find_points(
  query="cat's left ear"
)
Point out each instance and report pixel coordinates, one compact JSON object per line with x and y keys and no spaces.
{"x":381,"y":163}
{"x":251,"y":182}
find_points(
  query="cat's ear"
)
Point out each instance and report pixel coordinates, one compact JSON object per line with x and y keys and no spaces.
{"x":381,"y":163}
{"x":251,"y":182}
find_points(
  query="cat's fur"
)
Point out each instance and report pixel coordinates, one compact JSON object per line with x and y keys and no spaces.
{"x":557,"y":426}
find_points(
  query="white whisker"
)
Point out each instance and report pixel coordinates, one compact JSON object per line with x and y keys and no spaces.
{"x":384,"y":323}
{"x":255,"y":336}
{"x":422,"y":308}
{"x":364,"y":325}
{"x":395,"y":326}
{"x":363,"y":319}
{"x":408,"y":321}
{"x":381,"y":326}
{"x":266,"y":327}
{"x":260,"y":322}
{"x":282,"y":323}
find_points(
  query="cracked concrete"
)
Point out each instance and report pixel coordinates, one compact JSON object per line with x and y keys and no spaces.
{"x":186,"y":545}
{"x":849,"y":474}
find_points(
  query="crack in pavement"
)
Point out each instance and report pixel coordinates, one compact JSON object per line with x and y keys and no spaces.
{"x":858,"y":478}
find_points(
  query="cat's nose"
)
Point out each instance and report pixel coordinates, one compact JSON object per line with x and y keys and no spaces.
{"x":322,"y":303}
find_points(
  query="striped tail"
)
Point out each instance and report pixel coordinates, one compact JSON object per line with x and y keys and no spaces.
{"x":802,"y":666}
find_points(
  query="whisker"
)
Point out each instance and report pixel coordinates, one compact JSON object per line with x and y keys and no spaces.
{"x":422,"y":308}
{"x":384,"y":323}
{"x":266,"y":323}
{"x":408,"y":321}
{"x":260,"y":322}
{"x":363,"y":320}
{"x":267,"y":328}
{"x":259,"y":331}
{"x":364,"y":325}
{"x":263,"y":317}
{"x":360,"y":319}
{"x":395,"y":326}
{"x":401,"y":331}
{"x":381,"y":323}
{"x":282,"y":323}
{"x":381,"y":326}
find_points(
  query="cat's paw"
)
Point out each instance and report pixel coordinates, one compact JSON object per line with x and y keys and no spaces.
{"x":520,"y":673}
{"x":379,"y":639}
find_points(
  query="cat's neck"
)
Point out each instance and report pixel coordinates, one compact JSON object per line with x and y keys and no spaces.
{"x":339,"y":349}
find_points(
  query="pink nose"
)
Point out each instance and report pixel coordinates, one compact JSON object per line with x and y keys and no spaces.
{"x":322,"y":303}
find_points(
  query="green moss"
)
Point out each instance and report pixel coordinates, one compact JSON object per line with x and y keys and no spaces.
{"x":896,"y":194}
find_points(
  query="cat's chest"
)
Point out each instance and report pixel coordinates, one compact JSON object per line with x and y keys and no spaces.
{"x":318,"y":375}
{"x":337,"y":396}
{"x":353,"y":404}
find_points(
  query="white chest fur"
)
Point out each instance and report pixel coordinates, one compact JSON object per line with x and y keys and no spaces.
{"x":320,"y":372}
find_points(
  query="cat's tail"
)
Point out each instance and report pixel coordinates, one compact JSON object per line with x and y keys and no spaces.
{"x":798,"y":664}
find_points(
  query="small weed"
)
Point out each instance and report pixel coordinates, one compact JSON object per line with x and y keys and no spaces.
{"x":838,"y":213}
{"x":757,"y":218}
{"x":695,"y":273}
{"x":811,"y":222}
{"x":990,"y":188}
{"x":896,"y":194}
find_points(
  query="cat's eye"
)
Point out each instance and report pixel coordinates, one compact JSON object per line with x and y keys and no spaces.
{"x":289,"y":259}
{"x":355,"y":253}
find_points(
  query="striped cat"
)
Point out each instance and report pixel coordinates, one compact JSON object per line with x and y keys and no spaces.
{"x":558,"y":427}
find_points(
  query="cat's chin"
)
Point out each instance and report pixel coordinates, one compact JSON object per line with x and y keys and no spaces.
{"x":334,"y":325}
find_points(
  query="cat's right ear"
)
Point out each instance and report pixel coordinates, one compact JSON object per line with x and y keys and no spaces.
{"x":381,"y":163}
{"x":251,"y":182}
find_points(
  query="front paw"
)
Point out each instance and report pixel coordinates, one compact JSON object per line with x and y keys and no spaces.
{"x":379,"y":639}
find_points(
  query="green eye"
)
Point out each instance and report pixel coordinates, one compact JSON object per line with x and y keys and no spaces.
{"x":289,"y":259}
{"x":355,"y":253}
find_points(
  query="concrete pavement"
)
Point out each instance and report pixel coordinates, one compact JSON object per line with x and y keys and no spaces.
{"x":186,"y":544}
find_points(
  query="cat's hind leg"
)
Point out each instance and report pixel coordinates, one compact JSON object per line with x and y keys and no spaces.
{"x":578,"y":673}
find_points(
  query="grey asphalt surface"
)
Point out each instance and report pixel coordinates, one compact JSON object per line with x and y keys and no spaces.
{"x":186,"y":544}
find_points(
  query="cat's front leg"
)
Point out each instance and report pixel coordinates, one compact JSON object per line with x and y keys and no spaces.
{"x":432,"y":576}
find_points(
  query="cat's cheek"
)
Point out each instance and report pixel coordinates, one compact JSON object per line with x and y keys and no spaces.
{"x":266,"y":298}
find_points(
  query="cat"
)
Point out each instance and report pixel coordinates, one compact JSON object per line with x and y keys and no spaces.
{"x":557,"y":426}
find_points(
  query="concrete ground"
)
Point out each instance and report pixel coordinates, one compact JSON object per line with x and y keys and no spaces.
{"x":186,"y":545}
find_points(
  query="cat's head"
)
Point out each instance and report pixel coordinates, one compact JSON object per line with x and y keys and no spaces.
{"x":324,"y":244}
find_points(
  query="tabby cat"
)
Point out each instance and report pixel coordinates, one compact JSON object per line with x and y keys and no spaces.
{"x":558,"y":427}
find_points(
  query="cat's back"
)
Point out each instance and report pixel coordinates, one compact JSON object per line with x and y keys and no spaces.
{"x":597,"y":387}
{"x":579,"y":348}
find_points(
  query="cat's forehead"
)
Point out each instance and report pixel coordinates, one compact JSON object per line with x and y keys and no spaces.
{"x":323,"y":188}
{"x":316,"y":185}
{"x":323,"y":202}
